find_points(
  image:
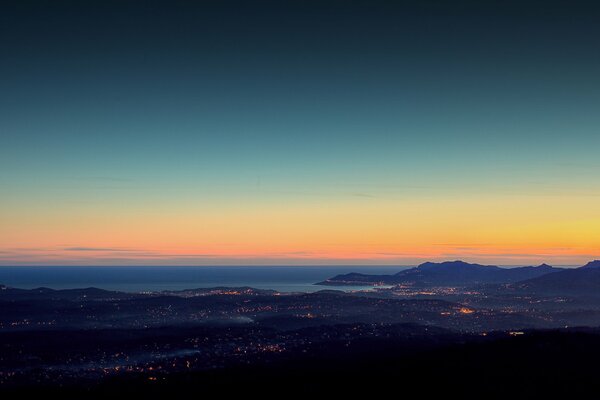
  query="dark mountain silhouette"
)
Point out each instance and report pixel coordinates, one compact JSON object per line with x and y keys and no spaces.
{"x":43,"y":293}
{"x":91,"y":293}
{"x":449,"y":273}
{"x":583,"y":281}
{"x":355,"y":278}
{"x":592,"y":264}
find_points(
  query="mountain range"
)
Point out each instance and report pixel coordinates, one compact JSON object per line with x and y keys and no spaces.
{"x":582,"y":281}
{"x":449,"y":273}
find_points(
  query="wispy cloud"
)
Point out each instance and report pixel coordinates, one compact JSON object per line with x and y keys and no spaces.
{"x":112,"y":249}
{"x":102,"y":179}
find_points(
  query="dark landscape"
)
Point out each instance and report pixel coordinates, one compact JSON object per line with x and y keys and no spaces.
{"x":472,"y":334}
{"x":389,"y":199}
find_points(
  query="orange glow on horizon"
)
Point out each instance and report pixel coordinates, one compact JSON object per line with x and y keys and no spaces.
{"x":507,"y":230}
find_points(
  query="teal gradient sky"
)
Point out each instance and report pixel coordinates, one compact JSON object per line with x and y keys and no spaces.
{"x":112,"y":108}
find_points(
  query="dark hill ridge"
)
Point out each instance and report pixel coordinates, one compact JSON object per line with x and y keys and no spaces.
{"x":592,"y":264}
{"x":583,"y":281}
{"x":91,"y":293}
{"x":355,"y":278}
{"x":449,"y":273}
{"x":43,"y":293}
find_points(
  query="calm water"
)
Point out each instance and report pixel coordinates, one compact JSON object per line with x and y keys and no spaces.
{"x":135,"y":279}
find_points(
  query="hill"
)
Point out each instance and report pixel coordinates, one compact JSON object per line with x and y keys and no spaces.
{"x":583,"y":281}
{"x":449,"y":273}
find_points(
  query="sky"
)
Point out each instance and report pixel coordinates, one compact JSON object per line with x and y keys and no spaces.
{"x":299,"y":132}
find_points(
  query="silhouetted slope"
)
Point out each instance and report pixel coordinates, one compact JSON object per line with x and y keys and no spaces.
{"x":43,"y":293}
{"x":355,"y":278}
{"x":449,"y":273}
{"x":592,"y":264}
{"x":536,"y":365}
{"x":583,"y":281}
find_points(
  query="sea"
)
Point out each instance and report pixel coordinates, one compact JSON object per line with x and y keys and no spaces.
{"x":141,"y":279}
